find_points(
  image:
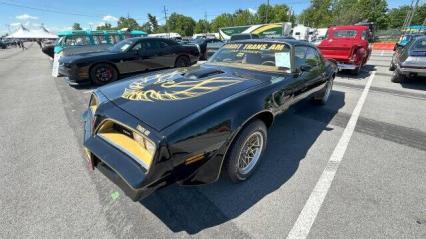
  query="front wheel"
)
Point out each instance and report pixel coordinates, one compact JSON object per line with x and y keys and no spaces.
{"x":397,"y":77}
{"x":246,"y":151}
{"x":102,"y":74}
{"x":182,"y":61}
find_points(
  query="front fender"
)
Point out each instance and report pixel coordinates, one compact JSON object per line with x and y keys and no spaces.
{"x":208,"y":135}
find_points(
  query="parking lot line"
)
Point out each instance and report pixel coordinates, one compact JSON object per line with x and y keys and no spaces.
{"x":312,"y":206}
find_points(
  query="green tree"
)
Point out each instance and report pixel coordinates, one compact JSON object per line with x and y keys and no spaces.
{"x":146,"y":27}
{"x":243,"y":17}
{"x":76,"y":26}
{"x":127,"y":22}
{"x":202,"y":26}
{"x":374,"y":11}
{"x":181,"y":24}
{"x":223,"y":20}
{"x":107,"y":26}
{"x":346,"y":12}
{"x":396,"y":16}
{"x":318,"y":14}
{"x":153,"y":23}
{"x":420,"y":15}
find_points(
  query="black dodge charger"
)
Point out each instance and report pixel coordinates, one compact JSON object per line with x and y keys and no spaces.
{"x":128,"y":56}
{"x":187,"y":125}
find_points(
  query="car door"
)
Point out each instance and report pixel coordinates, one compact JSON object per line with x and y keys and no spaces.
{"x":294,"y":88}
{"x":130,"y":60}
{"x":316,"y":76}
{"x":158,"y":53}
{"x":150,"y":54}
{"x":304,"y":75}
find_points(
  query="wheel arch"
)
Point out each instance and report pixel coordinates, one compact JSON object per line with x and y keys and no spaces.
{"x":103,"y":62}
{"x":182,"y":55}
{"x":266,"y":116}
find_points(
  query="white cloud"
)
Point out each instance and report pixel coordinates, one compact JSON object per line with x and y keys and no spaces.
{"x":15,"y":24}
{"x":26,"y":17}
{"x":110,"y":18}
{"x":252,"y":11}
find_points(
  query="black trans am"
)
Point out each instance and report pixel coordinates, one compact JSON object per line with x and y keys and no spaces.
{"x":186,"y":125}
{"x":127,"y":56}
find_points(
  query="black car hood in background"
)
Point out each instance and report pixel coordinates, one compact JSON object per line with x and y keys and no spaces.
{"x":161,"y":99}
{"x":87,"y":56}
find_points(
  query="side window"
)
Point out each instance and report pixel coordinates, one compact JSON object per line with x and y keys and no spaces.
{"x":148,"y":45}
{"x":312,"y":57}
{"x":364,"y":35}
{"x":162,"y":44}
{"x":137,"y":46}
{"x":77,"y":41}
{"x":299,"y":55}
{"x":99,"y":39}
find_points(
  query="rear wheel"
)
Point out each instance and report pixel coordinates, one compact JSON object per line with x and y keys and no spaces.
{"x":182,"y":61}
{"x":102,"y":74}
{"x":357,"y":70}
{"x":323,"y":96}
{"x":246,"y":151}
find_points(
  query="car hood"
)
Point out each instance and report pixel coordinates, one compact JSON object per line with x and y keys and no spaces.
{"x":86,"y":56}
{"x":160,"y":99}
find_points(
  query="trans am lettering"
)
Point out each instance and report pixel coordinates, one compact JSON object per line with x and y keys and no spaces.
{"x":170,"y":90}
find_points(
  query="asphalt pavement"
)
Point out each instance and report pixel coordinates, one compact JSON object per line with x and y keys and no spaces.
{"x":378,"y":189}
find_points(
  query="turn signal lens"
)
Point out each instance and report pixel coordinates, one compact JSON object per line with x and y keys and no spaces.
{"x":93,"y":104}
{"x":145,"y":143}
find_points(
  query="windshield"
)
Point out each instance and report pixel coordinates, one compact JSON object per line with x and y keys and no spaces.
{"x":122,"y":46}
{"x":262,"y":56}
{"x":419,"y":45}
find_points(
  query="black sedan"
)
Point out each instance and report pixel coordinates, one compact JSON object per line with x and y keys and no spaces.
{"x":409,"y":61}
{"x":127,"y":56}
{"x":187,"y":125}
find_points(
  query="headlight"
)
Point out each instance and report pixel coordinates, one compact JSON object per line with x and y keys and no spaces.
{"x":145,"y":143}
{"x":129,"y":141}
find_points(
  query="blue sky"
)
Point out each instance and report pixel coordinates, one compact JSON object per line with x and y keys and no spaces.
{"x":91,"y":13}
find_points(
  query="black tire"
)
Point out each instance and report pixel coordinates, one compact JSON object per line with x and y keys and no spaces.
{"x":182,"y":61}
{"x":232,"y":162}
{"x":397,"y":77}
{"x":103,"y":73}
{"x":356,"y":71}
{"x":391,"y":67}
{"x":322,"y":97}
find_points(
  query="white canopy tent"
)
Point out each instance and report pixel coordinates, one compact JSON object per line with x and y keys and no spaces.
{"x":24,"y":33}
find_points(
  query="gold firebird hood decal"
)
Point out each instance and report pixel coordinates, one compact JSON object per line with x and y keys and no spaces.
{"x":167,"y":89}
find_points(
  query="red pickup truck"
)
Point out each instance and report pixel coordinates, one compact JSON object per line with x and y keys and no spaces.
{"x":347,"y":46}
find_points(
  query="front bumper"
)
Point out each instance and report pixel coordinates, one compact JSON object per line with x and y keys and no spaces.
{"x":344,"y":66}
{"x":412,"y":71}
{"x":74,"y":75}
{"x":119,"y":167}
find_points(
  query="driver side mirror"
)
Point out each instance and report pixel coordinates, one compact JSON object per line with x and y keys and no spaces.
{"x":305,"y":67}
